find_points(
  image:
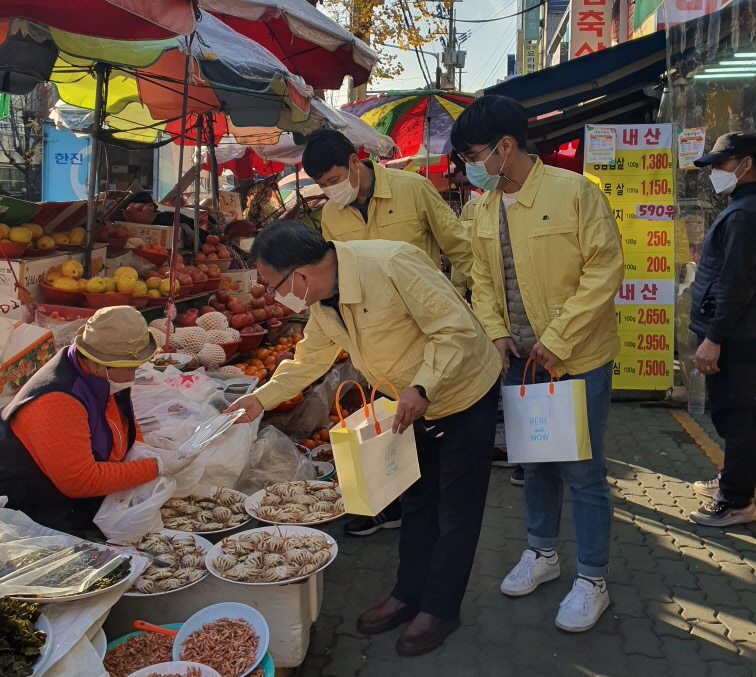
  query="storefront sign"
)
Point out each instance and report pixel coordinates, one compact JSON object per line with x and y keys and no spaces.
{"x":590,"y":26}
{"x":531,"y":20}
{"x":690,"y":146}
{"x":600,"y":146}
{"x":639,"y":186}
{"x":530,"y":57}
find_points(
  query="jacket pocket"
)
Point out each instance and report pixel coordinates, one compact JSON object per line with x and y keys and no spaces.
{"x":548,"y":228}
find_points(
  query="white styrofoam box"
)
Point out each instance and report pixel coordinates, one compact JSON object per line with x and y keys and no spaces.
{"x":163,"y":235}
{"x":244,"y":278}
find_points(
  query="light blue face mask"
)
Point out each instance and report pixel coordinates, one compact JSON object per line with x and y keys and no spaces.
{"x":479,"y":176}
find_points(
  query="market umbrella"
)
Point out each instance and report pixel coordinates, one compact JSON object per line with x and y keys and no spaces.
{"x":310,"y":44}
{"x":413,"y":118}
{"x":117,"y":19}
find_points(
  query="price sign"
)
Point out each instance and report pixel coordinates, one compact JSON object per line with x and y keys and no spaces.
{"x":640,"y":188}
{"x":655,"y":212}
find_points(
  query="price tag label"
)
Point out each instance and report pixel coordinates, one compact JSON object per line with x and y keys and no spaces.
{"x":655,"y":212}
{"x":650,"y":372}
{"x":656,"y":237}
{"x":645,"y":318}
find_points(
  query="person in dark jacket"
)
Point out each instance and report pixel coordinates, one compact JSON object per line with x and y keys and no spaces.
{"x":723,"y":316}
{"x":65,"y":433}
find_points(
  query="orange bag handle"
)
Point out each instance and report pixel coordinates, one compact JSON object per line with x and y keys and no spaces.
{"x":372,"y":403}
{"x":338,"y":404}
{"x":552,"y":373}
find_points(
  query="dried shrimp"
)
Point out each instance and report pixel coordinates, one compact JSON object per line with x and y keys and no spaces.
{"x":138,"y":652}
{"x":226,"y":645}
{"x":190,"y":672}
{"x":299,"y":502}
{"x":223,"y":510}
{"x":265,"y":557}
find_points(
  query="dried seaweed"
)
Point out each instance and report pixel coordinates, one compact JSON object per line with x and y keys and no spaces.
{"x":20,"y":641}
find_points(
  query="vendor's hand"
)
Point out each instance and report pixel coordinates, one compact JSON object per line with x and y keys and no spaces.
{"x":252,"y":405}
{"x":411,"y":406}
{"x":707,"y":357}
{"x":543,"y":356}
{"x":505,"y":346}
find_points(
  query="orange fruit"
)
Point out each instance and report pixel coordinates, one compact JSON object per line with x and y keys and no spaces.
{"x":262,"y":353}
{"x":156,"y":246}
{"x":262,"y":373}
{"x":257,"y":363}
{"x":309,"y":444}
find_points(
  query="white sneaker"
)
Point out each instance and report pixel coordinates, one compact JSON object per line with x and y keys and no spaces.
{"x":583,"y":606}
{"x":532,"y":570}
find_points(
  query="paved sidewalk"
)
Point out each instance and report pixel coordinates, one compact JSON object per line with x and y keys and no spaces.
{"x":683,"y":596}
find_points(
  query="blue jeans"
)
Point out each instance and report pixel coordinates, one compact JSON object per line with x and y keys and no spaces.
{"x":544,"y":482}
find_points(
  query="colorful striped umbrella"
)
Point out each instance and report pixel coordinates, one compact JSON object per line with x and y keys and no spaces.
{"x":413,"y":118}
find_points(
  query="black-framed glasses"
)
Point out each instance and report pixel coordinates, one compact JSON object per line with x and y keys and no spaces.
{"x":472,"y":159}
{"x":272,"y":290}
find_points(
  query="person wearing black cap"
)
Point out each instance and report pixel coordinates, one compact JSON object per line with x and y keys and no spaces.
{"x":723,"y":316}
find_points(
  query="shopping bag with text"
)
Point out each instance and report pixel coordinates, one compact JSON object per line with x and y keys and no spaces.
{"x":546,"y":422}
{"x":374,"y":465}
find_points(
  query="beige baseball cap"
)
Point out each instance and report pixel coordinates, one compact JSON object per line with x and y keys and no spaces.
{"x":116,"y":336}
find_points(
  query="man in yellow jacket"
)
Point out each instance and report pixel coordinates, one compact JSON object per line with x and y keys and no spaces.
{"x":402,"y":321}
{"x":367,"y":201}
{"x":547,"y":265}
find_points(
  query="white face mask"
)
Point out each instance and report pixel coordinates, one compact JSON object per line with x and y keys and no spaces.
{"x":292,"y":301}
{"x":724,"y":182}
{"x":343,"y":193}
{"x":116,"y":387}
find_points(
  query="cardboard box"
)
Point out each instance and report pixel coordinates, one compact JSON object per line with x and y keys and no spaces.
{"x":163,"y":235}
{"x":26,"y":348}
{"x":244,"y":278}
{"x":231,"y":204}
{"x":32,"y":271}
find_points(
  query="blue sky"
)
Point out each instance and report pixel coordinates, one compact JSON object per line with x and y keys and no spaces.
{"x":486,"y":48}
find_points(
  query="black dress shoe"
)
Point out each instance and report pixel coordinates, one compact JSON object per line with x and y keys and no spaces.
{"x":424,"y":634}
{"x":387,"y":615}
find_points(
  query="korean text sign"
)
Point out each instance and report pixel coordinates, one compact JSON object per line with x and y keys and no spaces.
{"x":639,"y":186}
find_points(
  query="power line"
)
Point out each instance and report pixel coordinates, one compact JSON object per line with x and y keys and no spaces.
{"x":541,"y":3}
{"x":420,"y":60}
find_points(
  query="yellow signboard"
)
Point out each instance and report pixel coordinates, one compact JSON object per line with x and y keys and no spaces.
{"x":529,"y":56}
{"x":640,"y":188}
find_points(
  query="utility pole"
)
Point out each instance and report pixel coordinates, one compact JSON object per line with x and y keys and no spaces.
{"x":452,"y":44}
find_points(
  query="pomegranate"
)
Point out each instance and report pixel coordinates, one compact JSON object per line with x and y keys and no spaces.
{"x":186,"y":319}
{"x":285,"y":355}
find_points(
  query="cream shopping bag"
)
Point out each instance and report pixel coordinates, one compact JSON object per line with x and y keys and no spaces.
{"x":546,"y":422}
{"x":374,"y":465}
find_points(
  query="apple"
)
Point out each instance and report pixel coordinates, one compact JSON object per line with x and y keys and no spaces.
{"x":256,"y":304}
{"x":185,"y":319}
{"x":246,"y":330}
{"x":278,"y":312}
{"x":237,"y":306}
{"x":200,"y":256}
{"x":228,"y":314}
{"x":260,"y":315}
{"x":257,"y":291}
{"x":223,"y":297}
{"x":284,"y":355}
{"x":269,"y":311}
{"x":212,"y":271}
{"x":151,"y":273}
{"x":239,"y":320}
{"x":196,"y":276}
{"x":180,"y":265}
{"x":163,"y":270}
{"x":208,"y":249}
{"x":220,"y":307}
{"x":185,"y":280}
{"x":202,"y":277}
{"x":223,"y":252}
{"x":212,"y":239}
{"x":202,"y":267}
{"x":193,"y":311}
{"x":212,"y":257}
{"x":269,"y":299}
{"x":206,"y":309}
{"x":258,"y":328}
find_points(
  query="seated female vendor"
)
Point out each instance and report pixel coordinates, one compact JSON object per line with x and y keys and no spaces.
{"x":65,"y":433}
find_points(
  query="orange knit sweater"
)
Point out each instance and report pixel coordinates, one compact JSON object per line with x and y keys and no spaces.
{"x":54,"y":428}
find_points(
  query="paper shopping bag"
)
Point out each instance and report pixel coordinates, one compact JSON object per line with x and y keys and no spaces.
{"x":546,"y":422}
{"x":374,"y":465}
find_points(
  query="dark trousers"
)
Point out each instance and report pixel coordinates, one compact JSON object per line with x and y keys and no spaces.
{"x":442,"y":512}
{"x":732,"y":403}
